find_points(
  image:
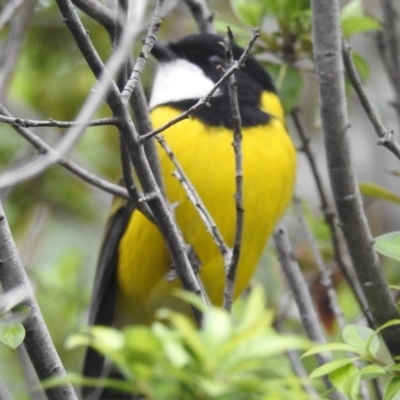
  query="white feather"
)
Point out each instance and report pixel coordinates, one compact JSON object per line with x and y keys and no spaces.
{"x":179,"y":80}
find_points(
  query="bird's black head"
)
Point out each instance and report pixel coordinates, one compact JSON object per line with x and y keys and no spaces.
{"x":189,"y":68}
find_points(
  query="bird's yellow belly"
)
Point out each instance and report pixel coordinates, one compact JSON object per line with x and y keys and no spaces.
{"x":206,"y":154}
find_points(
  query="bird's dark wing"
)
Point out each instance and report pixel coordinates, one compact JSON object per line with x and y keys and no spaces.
{"x":104,"y":291}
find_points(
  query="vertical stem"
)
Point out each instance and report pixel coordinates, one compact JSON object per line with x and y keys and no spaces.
{"x":328,"y":60}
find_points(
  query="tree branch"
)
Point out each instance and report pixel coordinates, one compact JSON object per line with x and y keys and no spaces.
{"x":44,"y":148}
{"x":391,"y":46}
{"x":331,"y":220}
{"x":385,"y":136}
{"x":202,"y":15}
{"x":327,"y":53}
{"x":37,"y":341}
{"x":230,"y":271}
{"x":30,"y":123}
{"x":301,"y":296}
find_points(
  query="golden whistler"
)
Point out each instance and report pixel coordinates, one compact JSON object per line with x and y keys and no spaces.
{"x":131,"y":281}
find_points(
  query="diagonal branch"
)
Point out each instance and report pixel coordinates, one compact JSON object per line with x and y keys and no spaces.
{"x":44,"y":148}
{"x":37,"y":341}
{"x":385,"y":136}
{"x":202,"y":15}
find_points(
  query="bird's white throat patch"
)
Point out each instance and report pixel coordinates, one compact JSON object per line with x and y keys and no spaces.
{"x":179,"y":80}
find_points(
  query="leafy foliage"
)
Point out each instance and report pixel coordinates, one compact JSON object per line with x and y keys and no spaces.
{"x":238,"y":357}
{"x":366,"y":361}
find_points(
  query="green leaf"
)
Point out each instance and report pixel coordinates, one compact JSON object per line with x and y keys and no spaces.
{"x":331,"y":366}
{"x":289,"y":84}
{"x":76,"y":379}
{"x":375,"y":191}
{"x":353,"y":19}
{"x":392,"y":388}
{"x":362,"y":338}
{"x":330,"y":347}
{"x":249,"y":12}
{"x":12,"y":335}
{"x":217,"y":327}
{"x":352,"y":26}
{"x":346,"y":380}
{"x":372,"y":371}
{"x":388,"y":245}
{"x":351,"y":10}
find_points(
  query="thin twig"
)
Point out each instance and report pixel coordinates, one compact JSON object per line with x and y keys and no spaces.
{"x":385,"y":136}
{"x":230,"y":272}
{"x":331,"y":220}
{"x":301,"y":295}
{"x":9,"y":10}
{"x":326,"y":275}
{"x":130,"y":185}
{"x":9,"y":57}
{"x":333,"y":108}
{"x":31,"y":123}
{"x":100,"y":13}
{"x":326,"y":279}
{"x":297,"y":365}
{"x":391,"y":48}
{"x":197,"y":202}
{"x":44,"y":148}
{"x":37,"y":341}
{"x":204,"y":101}
{"x":151,"y":38}
{"x":202,"y":15}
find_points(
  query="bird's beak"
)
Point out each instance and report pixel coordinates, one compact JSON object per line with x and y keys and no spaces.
{"x":162,"y":52}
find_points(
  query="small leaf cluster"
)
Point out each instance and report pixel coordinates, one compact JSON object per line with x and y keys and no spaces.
{"x":286,"y":34}
{"x":229,"y":357}
{"x":363,"y":361}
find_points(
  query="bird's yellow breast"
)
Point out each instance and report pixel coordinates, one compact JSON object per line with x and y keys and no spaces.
{"x":206,"y":154}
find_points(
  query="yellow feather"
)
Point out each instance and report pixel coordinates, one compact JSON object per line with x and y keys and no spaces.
{"x":207,"y":156}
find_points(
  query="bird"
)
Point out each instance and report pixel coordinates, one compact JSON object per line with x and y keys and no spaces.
{"x":132,"y":282}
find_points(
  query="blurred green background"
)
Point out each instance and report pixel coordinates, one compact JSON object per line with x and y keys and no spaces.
{"x":57,"y":220}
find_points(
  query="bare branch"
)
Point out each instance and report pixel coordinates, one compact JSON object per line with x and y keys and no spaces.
{"x":230,"y":272}
{"x":385,"y":136}
{"x":391,"y":48}
{"x":326,"y":275}
{"x":44,"y":148}
{"x":197,"y":202}
{"x":301,"y":294}
{"x":37,"y":340}
{"x":92,"y":103}
{"x":30,"y":123}
{"x":331,"y":220}
{"x":202,"y":15}
{"x":100,"y":13}
{"x":9,"y":10}
{"x":327,"y":51}
{"x":144,"y":54}
{"x":8,"y":59}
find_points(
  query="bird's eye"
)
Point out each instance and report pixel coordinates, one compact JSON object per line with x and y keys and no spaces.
{"x":215,"y":60}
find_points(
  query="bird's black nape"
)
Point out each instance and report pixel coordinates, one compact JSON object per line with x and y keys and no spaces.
{"x":200,"y":49}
